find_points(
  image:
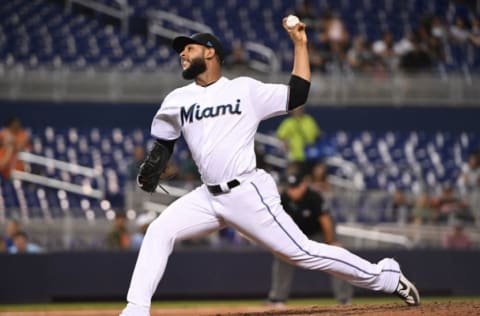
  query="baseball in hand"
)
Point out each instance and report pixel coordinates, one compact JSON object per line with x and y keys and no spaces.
{"x":292,"y":20}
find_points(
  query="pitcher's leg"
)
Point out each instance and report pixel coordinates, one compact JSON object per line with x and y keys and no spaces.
{"x":262,"y":218}
{"x":287,"y":240}
{"x":282,"y":276}
{"x":188,"y":217}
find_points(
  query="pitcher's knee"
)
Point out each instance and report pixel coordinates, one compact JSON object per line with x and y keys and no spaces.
{"x":304,"y":264}
{"x":300,"y":260}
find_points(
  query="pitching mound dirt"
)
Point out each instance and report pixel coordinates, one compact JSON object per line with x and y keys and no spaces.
{"x":437,"y":309}
{"x":428,"y":309}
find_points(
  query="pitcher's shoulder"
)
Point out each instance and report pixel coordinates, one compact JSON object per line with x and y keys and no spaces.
{"x":245,"y":81}
{"x":179,"y":94}
{"x":181,"y":91}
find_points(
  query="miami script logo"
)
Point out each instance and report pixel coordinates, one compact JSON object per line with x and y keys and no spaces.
{"x":195,"y":113}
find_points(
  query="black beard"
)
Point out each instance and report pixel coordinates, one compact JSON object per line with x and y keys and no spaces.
{"x":197,"y":67}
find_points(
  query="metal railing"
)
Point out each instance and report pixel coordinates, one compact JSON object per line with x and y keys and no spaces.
{"x":362,"y":235}
{"x":19,"y":83}
{"x":268,"y":63}
{"x":169,"y":25}
{"x":122,"y":13}
{"x":354,"y":178}
{"x":85,"y":190}
{"x":82,"y":234}
{"x":424,"y":236}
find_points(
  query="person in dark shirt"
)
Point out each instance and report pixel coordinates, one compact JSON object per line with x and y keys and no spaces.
{"x":118,"y":237}
{"x":307,"y":209}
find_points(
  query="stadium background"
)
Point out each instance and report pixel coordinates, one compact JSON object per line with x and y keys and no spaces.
{"x":86,"y":77}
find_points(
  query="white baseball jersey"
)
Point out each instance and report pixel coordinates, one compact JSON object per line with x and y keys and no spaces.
{"x":219,"y":122}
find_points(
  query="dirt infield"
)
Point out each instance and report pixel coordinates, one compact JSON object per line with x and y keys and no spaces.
{"x":434,"y":308}
{"x":437,"y":309}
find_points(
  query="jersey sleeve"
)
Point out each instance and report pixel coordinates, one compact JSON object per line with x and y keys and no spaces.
{"x":268,"y":99}
{"x":165,"y":124}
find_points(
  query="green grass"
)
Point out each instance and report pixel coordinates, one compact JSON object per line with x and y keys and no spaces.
{"x":208,"y":303}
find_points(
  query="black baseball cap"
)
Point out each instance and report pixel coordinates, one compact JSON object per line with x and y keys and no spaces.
{"x":205,"y":39}
{"x":294,"y":179}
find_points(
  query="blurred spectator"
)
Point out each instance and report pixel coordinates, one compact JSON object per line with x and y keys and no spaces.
{"x":475,"y":32}
{"x":400,"y":208}
{"x":470,"y":176}
{"x":237,"y":61}
{"x":307,"y":209}
{"x":422,"y":211}
{"x":22,"y":245}
{"x":416,"y":59}
{"x":433,"y":36}
{"x":457,"y":239}
{"x":13,"y":139}
{"x":142,"y":222}
{"x":438,"y":29}
{"x":383,"y":49}
{"x":359,"y":56}
{"x":320,"y":184}
{"x":319,"y":181}
{"x":450,"y":208}
{"x":459,"y":32}
{"x":294,"y":167}
{"x":3,"y":245}
{"x":318,"y":59}
{"x":469,"y":183}
{"x":138,"y":155}
{"x":298,"y":132}
{"x":334,"y":34}
{"x":306,"y":13}
{"x":405,"y":45}
{"x":436,"y":49}
{"x":118,"y":237}
{"x":13,"y":227}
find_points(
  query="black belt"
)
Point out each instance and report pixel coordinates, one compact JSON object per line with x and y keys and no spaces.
{"x":217,"y":189}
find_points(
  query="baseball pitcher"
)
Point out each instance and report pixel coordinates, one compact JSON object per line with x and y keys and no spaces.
{"x":218,"y":118}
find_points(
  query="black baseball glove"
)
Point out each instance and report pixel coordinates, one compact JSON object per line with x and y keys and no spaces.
{"x":152,"y":167}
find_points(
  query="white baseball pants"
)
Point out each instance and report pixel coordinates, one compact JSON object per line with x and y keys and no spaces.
{"x":254,"y":209}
